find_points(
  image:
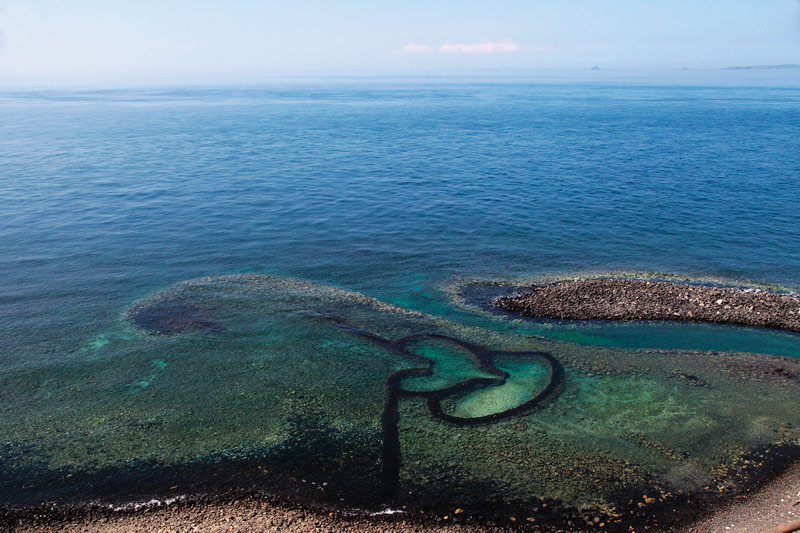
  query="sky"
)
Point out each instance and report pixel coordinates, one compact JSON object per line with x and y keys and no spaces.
{"x":106,"y":39}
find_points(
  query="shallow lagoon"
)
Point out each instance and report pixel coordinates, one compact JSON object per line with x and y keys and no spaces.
{"x":273,"y":380}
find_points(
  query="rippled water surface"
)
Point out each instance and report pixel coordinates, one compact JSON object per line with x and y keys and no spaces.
{"x":373,"y":203}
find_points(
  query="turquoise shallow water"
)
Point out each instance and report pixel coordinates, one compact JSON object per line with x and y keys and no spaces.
{"x":399,"y":190}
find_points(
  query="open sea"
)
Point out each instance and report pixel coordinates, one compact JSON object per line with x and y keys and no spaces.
{"x":302,"y":204}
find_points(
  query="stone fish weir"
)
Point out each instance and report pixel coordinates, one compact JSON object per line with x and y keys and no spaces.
{"x":483,"y":362}
{"x":279,"y":387}
{"x":169,"y":318}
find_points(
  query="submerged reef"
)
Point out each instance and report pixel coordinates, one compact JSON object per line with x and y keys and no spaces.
{"x":165,"y":318}
{"x":627,"y":299}
{"x":267,"y":385}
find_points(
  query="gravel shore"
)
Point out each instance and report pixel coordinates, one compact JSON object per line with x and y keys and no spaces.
{"x":247,"y":515}
{"x":623,"y":299}
{"x":762,"y":508}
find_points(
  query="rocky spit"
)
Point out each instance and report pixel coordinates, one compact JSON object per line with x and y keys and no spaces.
{"x":626,"y":299}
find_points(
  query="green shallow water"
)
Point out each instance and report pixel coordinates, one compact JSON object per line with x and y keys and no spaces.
{"x":272,"y":379}
{"x":450,"y":365}
{"x":525,"y":377}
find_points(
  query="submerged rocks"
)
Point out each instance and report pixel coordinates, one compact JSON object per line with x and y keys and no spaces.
{"x":626,"y":299}
{"x":169,"y":318}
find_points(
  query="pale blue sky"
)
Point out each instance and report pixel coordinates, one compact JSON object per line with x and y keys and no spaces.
{"x":74,"y":39}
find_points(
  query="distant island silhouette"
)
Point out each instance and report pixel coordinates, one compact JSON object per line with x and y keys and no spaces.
{"x":765,"y":67}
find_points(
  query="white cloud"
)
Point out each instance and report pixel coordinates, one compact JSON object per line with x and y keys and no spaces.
{"x":483,"y":47}
{"x":412,"y":48}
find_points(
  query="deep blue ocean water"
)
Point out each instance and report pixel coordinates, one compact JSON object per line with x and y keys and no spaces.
{"x":399,"y":189}
{"x":395,"y":188}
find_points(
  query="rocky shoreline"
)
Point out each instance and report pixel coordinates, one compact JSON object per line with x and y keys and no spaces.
{"x":774,"y":504}
{"x":628,"y":299}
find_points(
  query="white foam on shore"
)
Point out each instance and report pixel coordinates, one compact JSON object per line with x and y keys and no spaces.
{"x":135,"y":506}
{"x":386,"y":512}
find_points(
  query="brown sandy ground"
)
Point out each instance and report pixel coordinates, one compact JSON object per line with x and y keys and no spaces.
{"x":626,"y":299}
{"x":766,"y":507}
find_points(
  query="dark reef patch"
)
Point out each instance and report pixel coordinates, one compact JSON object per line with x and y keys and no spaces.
{"x":168,"y":318}
{"x":626,"y":299}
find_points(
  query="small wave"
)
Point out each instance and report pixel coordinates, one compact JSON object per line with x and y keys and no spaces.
{"x":136,"y":506}
{"x":387,"y":512}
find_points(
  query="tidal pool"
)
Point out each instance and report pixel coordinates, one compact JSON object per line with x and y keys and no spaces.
{"x":274,"y":385}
